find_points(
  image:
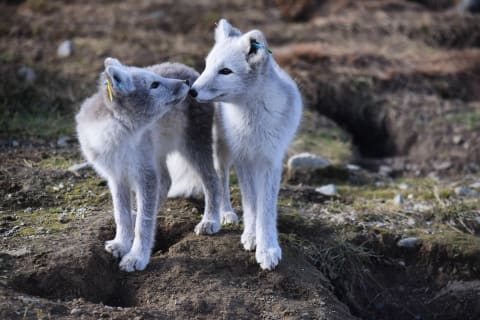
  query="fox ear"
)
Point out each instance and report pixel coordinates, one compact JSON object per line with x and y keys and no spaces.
{"x":255,"y":47}
{"x":122,"y":81}
{"x":111,"y":62}
{"x":225,"y":30}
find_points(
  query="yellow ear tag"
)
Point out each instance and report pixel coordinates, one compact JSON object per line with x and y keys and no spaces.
{"x":109,"y":89}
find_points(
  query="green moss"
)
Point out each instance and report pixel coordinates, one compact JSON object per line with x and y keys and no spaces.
{"x":55,"y":163}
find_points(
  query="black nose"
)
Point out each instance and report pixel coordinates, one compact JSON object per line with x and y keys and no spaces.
{"x":193,"y":93}
{"x":187,"y":82}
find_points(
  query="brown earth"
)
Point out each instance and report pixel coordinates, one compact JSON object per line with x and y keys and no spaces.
{"x":400,"y":80}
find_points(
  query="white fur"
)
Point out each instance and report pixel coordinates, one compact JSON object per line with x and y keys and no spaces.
{"x":259,"y":109}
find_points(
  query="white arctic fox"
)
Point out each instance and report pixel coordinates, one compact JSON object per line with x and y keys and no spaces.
{"x":128,"y":129}
{"x":259,"y":108}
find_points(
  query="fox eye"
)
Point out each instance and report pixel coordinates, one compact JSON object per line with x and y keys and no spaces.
{"x":154,"y":85}
{"x":225,"y":71}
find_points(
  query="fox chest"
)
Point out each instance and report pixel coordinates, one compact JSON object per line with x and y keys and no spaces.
{"x":249,"y":136}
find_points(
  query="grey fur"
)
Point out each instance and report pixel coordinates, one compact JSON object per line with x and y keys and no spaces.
{"x":128,"y":140}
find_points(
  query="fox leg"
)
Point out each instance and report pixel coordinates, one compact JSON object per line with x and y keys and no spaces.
{"x":151,"y":190}
{"x":268,"y":252}
{"x":122,"y":242}
{"x":246,"y":179}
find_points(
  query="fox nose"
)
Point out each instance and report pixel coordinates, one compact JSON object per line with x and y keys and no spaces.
{"x":193,"y":93}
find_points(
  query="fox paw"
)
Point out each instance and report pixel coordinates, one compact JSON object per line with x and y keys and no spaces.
{"x":207,"y":227}
{"x":134,"y":262}
{"x":268,"y":258}
{"x":248,"y":241}
{"x":117,"y":248}
{"x":229,"y":217}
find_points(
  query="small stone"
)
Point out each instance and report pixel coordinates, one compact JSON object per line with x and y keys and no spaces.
{"x":307,"y":160}
{"x":27,"y":74}
{"x":457,"y":139}
{"x":385,"y":170}
{"x":63,"y":141}
{"x":75,"y":311}
{"x":403,"y":186}
{"x":411,"y":221}
{"x":15,"y":144}
{"x":28,"y":210}
{"x":65,"y":49}
{"x":19,"y":252}
{"x":411,"y":242}
{"x":353,"y":167}
{"x":422,"y":207}
{"x":328,"y":190}
{"x":440,"y":166}
{"x":475,"y":185}
{"x":410,"y":196}
{"x":63,"y":218}
{"x":465,"y":192}
{"x":398,"y":200}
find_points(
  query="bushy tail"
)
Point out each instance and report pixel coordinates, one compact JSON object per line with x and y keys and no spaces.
{"x":185,"y":181}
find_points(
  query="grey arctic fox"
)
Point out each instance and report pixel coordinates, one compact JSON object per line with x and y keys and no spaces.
{"x":140,"y":131}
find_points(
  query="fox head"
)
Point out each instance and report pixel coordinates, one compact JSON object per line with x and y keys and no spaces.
{"x":235,"y":61}
{"x":137,"y":96}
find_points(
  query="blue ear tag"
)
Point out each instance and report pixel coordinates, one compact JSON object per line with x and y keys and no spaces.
{"x":261,"y":46}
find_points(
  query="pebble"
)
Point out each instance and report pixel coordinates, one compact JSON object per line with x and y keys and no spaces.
{"x":63,"y":218}
{"x":475,"y":185}
{"x":463,"y":191}
{"x":59,"y":187}
{"x":457,"y":139}
{"x":328,"y":190}
{"x":440,"y":166}
{"x":410,"y":242}
{"x":307,"y":160}
{"x":75,"y":311}
{"x":28,"y":210}
{"x":422,"y":207}
{"x":353,"y":167}
{"x":398,"y":200}
{"x":385,"y":170}
{"x":403,"y":186}
{"x":27,"y":74}
{"x":19,"y":252}
{"x":63,"y":141}
{"x":65,"y":49}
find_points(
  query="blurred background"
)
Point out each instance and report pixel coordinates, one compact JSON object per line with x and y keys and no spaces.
{"x":385,"y":82}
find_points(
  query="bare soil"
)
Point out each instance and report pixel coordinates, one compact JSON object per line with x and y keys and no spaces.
{"x":385,"y":82}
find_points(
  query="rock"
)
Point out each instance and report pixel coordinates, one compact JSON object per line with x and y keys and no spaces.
{"x":327,"y":190}
{"x":64,"y":141}
{"x":441,"y":166}
{"x":457,"y":139}
{"x":410,"y":242}
{"x":27,"y":74}
{"x":403,"y":186}
{"x":465,"y":192}
{"x":307,"y":160}
{"x":472,"y":6}
{"x":15,"y":144}
{"x":353,"y":167}
{"x":475,"y":185}
{"x":385,"y":170}
{"x":65,"y":49}
{"x":28,"y":210}
{"x":422,"y":207}
{"x":61,"y":186}
{"x":399,"y":200}
{"x":19,"y":252}
{"x":411,"y":221}
{"x":63,"y":218}
{"x":75,"y":311}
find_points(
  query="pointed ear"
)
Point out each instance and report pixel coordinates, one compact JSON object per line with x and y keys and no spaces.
{"x":225,"y":30}
{"x":255,"y":47}
{"x":111,"y":62}
{"x":120,"y":77}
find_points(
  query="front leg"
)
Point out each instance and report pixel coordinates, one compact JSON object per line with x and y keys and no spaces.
{"x":247,"y":180}
{"x":268,"y":253}
{"x":151,"y":188}
{"x":122,"y":242}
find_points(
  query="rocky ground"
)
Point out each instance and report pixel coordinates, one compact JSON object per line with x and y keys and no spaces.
{"x":391,"y":86}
